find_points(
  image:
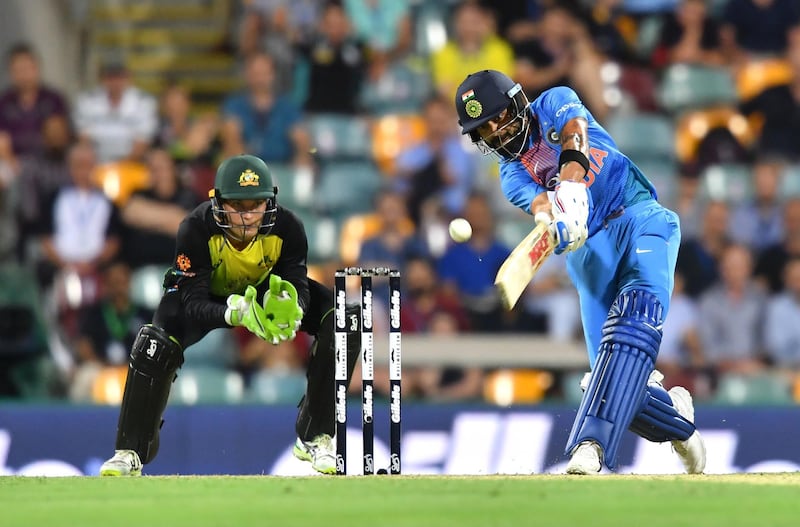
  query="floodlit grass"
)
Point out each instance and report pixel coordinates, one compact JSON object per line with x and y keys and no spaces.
{"x":547,"y":500}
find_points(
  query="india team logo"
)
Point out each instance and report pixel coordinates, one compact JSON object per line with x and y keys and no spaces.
{"x":473,"y":107}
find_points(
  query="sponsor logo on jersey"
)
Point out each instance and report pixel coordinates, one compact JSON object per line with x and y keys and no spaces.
{"x":183,"y":262}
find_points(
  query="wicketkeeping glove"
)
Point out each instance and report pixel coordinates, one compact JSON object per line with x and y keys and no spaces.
{"x":244,"y":310}
{"x":281,"y":307}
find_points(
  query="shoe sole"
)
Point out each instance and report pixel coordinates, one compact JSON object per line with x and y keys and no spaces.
{"x":114,"y":473}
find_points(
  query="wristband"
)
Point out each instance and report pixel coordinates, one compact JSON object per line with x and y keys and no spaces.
{"x":573,"y":155}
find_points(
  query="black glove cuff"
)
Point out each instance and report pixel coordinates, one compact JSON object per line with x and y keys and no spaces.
{"x":573,"y":155}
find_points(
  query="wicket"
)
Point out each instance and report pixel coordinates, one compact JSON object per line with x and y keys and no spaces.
{"x":365,"y":326}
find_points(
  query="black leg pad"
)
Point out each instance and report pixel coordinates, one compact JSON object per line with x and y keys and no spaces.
{"x":316,"y":414}
{"x":154,"y":361}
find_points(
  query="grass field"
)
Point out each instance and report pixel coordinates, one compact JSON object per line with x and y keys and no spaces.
{"x":195,"y":501}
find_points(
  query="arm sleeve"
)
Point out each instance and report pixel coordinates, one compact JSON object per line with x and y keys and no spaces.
{"x":291,"y":264}
{"x":518,"y":186}
{"x":193,"y":260}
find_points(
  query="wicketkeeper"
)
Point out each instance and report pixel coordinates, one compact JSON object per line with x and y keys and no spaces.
{"x":240,"y":260}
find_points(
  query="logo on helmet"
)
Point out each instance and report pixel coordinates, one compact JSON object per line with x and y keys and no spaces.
{"x":248,"y":178}
{"x":471,"y":105}
{"x":474,"y":108}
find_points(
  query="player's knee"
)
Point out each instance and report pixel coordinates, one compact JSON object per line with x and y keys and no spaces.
{"x":156,"y":351}
{"x":635,"y":319}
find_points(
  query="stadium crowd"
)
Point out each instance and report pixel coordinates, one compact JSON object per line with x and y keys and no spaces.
{"x":350,"y":103}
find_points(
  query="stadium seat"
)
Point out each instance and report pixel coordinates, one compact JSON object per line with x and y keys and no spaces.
{"x":358,"y":228}
{"x":401,"y":88}
{"x":761,"y":389}
{"x":391,"y":134}
{"x":758,"y":75}
{"x":505,"y":387}
{"x":321,"y":232}
{"x":277,"y":387}
{"x":685,"y":87}
{"x":511,"y":231}
{"x":731,"y":183}
{"x":694,"y":126}
{"x":217,"y":349}
{"x":147,"y":285}
{"x":571,"y":387}
{"x":120,"y":179}
{"x":207,"y":385}
{"x":346,"y":187}
{"x":643,"y":136}
{"x":109,"y":385}
{"x":339,"y":136}
{"x":295,"y":186}
{"x":664,"y":176}
{"x":790,"y":181}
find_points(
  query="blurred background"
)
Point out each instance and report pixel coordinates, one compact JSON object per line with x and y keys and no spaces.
{"x":114,"y":115}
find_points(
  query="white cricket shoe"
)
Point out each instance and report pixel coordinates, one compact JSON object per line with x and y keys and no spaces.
{"x":692,"y":451}
{"x":124,"y":463}
{"x":587,"y":458}
{"x":319,"y":451}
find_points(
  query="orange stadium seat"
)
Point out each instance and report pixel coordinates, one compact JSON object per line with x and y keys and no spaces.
{"x":391,"y":135}
{"x":758,"y":75}
{"x":693,"y":126}
{"x":109,"y":385}
{"x":505,"y":387}
{"x":120,"y":179}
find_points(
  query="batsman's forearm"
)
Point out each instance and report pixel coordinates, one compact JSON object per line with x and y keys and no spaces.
{"x":574,"y":136}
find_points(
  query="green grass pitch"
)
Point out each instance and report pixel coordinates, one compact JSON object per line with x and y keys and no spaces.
{"x":418,"y":501}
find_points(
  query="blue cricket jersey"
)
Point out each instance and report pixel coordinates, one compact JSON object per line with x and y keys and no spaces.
{"x":614,"y":181}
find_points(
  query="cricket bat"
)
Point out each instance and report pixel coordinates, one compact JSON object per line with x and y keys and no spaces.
{"x":523,"y":263}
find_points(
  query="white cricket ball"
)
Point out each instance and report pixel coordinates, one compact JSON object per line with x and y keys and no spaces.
{"x":460,"y":230}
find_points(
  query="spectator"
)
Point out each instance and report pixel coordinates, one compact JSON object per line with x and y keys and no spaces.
{"x":468,"y":269}
{"x":772,"y":260}
{"x":277,"y":27}
{"x":261,"y":121}
{"x":563,"y":53}
{"x":779,"y":109}
{"x":680,"y":357}
{"x":782,"y":330}
{"x":187,"y":137}
{"x":431,"y":311}
{"x":475,"y":46}
{"x":41,"y":176}
{"x":152,"y":216}
{"x":106,"y":329}
{"x":439,"y":167}
{"x":332,"y":66}
{"x":731,"y":314}
{"x":119,"y":119}
{"x":698,"y":257}
{"x":689,"y":35}
{"x":448,"y":383}
{"x":383,"y":25}
{"x":758,"y":223}
{"x":81,"y":230}
{"x":551,"y":301}
{"x":27,"y":103}
{"x":757,"y":28}
{"x":393,"y":245}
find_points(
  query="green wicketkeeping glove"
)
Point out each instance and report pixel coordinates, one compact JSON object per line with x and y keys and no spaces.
{"x":281,"y":307}
{"x":244,"y":310}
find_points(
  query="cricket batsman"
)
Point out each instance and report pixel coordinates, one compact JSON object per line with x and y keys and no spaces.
{"x":559,"y":165}
{"x":240,"y":260}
